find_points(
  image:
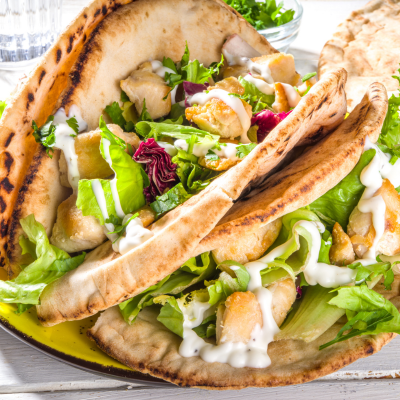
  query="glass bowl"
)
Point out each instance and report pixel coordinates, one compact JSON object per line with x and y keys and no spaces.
{"x":281,"y":37}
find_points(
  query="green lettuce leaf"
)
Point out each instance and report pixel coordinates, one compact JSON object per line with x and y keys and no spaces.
{"x":225,"y":285}
{"x":195,"y":270}
{"x":48,"y":264}
{"x":253,"y":95}
{"x":131,"y":179}
{"x":207,"y":328}
{"x":168,"y":201}
{"x":374,"y":313}
{"x":171,"y":316}
{"x":338,"y":203}
{"x":3,"y":106}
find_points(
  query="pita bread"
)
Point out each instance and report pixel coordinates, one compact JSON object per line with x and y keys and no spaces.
{"x":308,"y":177}
{"x":106,"y":279}
{"x":367,"y":45}
{"x":149,"y":347}
{"x":35,"y":100}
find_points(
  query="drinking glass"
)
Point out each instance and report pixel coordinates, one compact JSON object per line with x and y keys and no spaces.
{"x":27,"y":30}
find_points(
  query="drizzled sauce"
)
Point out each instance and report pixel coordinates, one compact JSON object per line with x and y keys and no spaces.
{"x":228,"y":150}
{"x":65,"y":141}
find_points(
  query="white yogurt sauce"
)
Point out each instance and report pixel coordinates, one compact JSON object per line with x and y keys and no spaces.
{"x":260,"y":84}
{"x":101,"y":201}
{"x":256,"y":69}
{"x":233,"y":102}
{"x":292,"y":95}
{"x":252,"y":354}
{"x":135,"y":235}
{"x":228,"y":150}
{"x":66,"y":142}
{"x":169,"y":148}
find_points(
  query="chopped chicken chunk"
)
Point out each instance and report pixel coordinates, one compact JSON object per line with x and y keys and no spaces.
{"x":144,"y":84}
{"x":251,"y":246}
{"x":91,"y":164}
{"x":283,"y":296}
{"x":72,"y":231}
{"x":237,"y":319}
{"x":281,"y":66}
{"x":241,"y":313}
{"x":341,"y":253}
{"x":230,"y":85}
{"x":146,"y":215}
{"x":307,"y":85}
{"x":361,"y":229}
{"x":218,"y":118}
{"x":222,"y":164}
{"x":281,"y":103}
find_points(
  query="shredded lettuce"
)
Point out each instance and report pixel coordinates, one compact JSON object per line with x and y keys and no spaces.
{"x":370,"y":313}
{"x":195,"y":270}
{"x":338,"y":203}
{"x":46,"y":264}
{"x":131,"y":179}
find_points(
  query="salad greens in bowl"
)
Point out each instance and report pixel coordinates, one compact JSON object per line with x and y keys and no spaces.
{"x":278,"y":22}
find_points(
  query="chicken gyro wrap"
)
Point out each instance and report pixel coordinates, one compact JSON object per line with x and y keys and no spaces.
{"x":170,"y":111}
{"x":299,"y":279}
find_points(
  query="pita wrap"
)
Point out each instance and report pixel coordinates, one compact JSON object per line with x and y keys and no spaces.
{"x":367,"y":45}
{"x":35,"y":99}
{"x":148,"y":346}
{"x":128,"y":37}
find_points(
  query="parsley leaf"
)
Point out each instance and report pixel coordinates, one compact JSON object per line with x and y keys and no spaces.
{"x":46,"y":135}
{"x":244,"y":149}
{"x":73,"y":124}
{"x":211,"y":156}
{"x":115,"y":113}
{"x":119,"y":228}
{"x":168,"y":201}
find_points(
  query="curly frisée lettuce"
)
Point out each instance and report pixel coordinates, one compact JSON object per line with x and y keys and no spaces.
{"x":46,"y":264}
{"x":130,"y":180}
{"x":195,"y":270}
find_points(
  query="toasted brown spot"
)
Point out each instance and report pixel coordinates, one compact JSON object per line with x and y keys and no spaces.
{"x":3,"y":205}
{"x":7,"y":185}
{"x":31,"y":97}
{"x":104,"y":10}
{"x":42,"y":74}
{"x":8,"y":141}
{"x":97,"y":12}
{"x":59,"y":53}
{"x":8,"y":161}
{"x":71,"y":41}
{"x":84,"y":37}
{"x":3,"y":228}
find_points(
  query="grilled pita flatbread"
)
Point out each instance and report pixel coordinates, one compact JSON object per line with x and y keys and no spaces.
{"x":129,"y":36}
{"x":367,"y":45}
{"x":148,"y":346}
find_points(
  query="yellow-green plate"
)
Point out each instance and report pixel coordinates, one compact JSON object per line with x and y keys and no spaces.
{"x":67,"y":342}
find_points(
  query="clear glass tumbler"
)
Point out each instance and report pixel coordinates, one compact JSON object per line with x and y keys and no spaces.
{"x":27,"y":30}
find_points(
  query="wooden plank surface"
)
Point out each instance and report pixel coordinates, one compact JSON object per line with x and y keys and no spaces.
{"x":28,"y":374}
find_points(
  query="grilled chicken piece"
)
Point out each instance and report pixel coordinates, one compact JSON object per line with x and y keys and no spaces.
{"x":222,"y":164}
{"x":230,"y":85}
{"x":251,"y":246}
{"x":91,"y":164}
{"x":281,"y":66}
{"x":362,"y":232}
{"x":237,"y":319}
{"x":283,"y":296}
{"x":72,"y":231}
{"x":147,"y":215}
{"x":241,"y":313}
{"x":307,"y":85}
{"x":285,"y":98}
{"x":341,"y":253}
{"x":144,"y":84}
{"x":218,"y":118}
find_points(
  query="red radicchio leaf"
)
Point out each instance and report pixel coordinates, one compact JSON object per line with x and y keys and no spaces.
{"x":192,"y":88}
{"x":266,"y":120}
{"x":299,"y":292}
{"x":158,"y":166}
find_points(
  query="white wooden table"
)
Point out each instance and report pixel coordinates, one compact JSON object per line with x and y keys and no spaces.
{"x":27,"y":374}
